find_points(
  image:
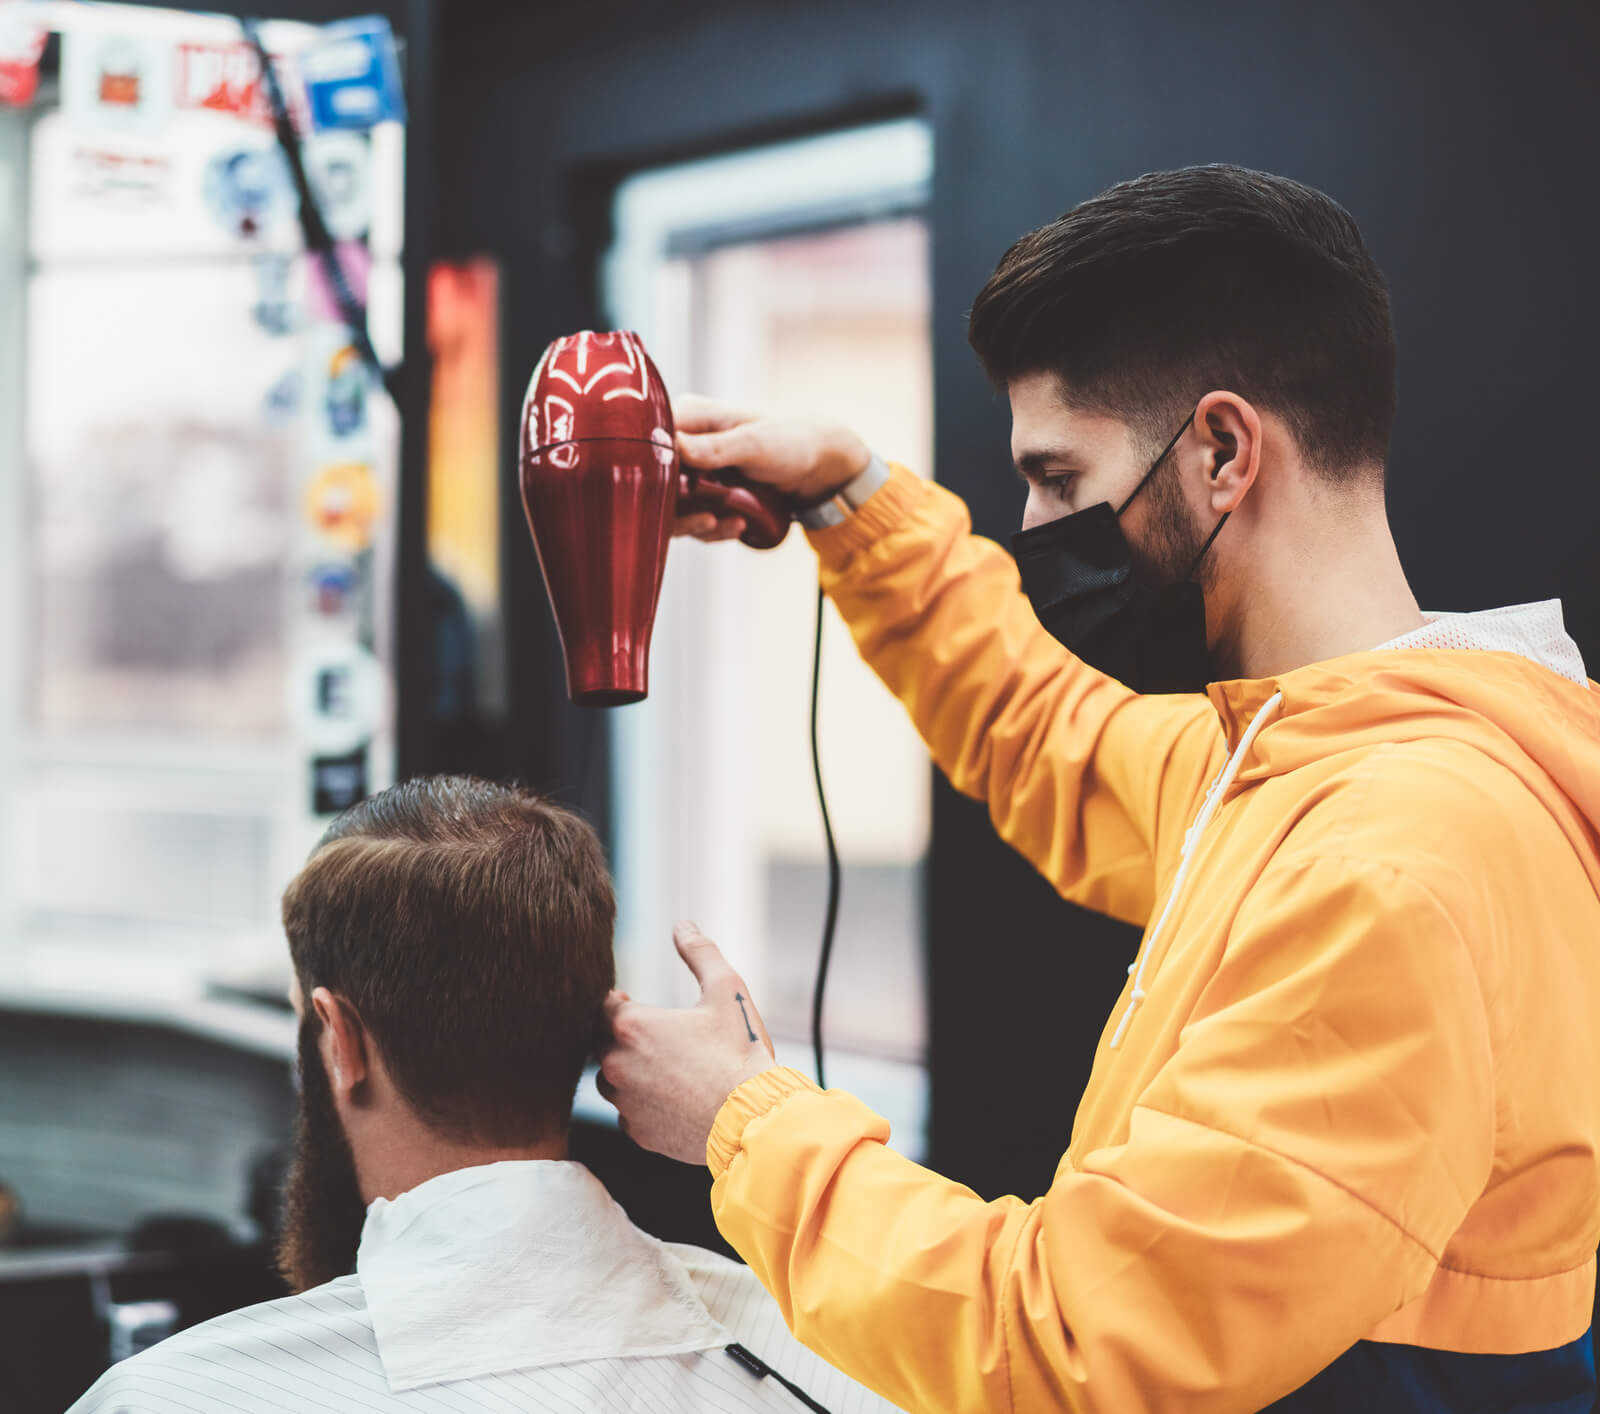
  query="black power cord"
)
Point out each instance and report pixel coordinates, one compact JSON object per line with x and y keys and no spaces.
{"x":760,"y":1369}
{"x":319,"y":241}
{"x":831,"y":918}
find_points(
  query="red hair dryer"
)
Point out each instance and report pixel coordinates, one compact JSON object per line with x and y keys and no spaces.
{"x":601,"y":483}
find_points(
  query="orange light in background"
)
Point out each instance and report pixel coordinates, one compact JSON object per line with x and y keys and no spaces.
{"x":464,"y":435}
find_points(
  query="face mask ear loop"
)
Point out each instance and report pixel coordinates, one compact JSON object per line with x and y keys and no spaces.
{"x":1155,"y":465}
{"x":1206,"y":548}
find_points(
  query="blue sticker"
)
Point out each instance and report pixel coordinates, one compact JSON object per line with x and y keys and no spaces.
{"x":275,"y":310}
{"x":282,"y":403}
{"x":248,"y":191}
{"x":352,"y":76}
{"x":346,"y":399}
{"x":333,"y":587}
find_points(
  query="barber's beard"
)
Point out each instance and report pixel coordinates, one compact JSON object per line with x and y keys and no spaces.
{"x":1172,"y":541}
{"x":323,"y":1211}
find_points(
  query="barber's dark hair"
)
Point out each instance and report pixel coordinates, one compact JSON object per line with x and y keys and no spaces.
{"x":470,"y":926}
{"x":1161,"y":289}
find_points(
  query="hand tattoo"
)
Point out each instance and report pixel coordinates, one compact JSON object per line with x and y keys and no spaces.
{"x":739,"y":997}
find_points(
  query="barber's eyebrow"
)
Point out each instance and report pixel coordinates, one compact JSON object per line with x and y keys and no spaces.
{"x":1032,"y":463}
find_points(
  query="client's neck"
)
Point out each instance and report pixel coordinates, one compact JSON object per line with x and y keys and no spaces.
{"x":402,"y":1155}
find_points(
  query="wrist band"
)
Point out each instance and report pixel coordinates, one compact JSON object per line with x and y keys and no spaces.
{"x":848,"y":499}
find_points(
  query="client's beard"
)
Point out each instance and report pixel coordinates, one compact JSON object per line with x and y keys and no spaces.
{"x":323,"y":1211}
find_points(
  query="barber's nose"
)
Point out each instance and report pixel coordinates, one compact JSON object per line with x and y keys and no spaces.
{"x":1038,"y":510}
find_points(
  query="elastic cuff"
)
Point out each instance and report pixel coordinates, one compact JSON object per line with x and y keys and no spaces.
{"x":879,"y":514}
{"x":759,"y":1095}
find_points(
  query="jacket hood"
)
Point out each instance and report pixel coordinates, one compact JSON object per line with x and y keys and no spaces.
{"x":1508,"y":682}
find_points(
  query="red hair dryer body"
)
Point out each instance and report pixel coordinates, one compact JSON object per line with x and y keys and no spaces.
{"x":601,"y":484}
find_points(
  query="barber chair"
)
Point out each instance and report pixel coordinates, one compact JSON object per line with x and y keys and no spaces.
{"x":139,"y":1177}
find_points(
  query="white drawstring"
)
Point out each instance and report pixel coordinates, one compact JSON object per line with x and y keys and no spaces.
{"x":1191,"y":838}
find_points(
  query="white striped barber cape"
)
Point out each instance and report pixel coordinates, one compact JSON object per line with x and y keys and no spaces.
{"x":509,"y":1287}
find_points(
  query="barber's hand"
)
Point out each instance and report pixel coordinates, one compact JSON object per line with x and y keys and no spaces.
{"x":808,"y":461}
{"x":668,"y":1071}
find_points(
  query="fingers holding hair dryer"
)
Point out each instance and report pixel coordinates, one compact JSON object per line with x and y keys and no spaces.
{"x":805,"y":461}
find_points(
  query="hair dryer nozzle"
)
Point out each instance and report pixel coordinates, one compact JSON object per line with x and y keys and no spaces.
{"x":601,"y":514}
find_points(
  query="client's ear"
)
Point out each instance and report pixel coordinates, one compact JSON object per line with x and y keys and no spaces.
{"x":603,"y":1039}
{"x":343,"y":1044}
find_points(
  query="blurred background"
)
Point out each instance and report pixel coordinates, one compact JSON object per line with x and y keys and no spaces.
{"x":262,"y":551}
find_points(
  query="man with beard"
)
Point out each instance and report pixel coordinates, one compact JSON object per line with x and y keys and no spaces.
{"x":1340,"y":1146}
{"x":451,"y":943}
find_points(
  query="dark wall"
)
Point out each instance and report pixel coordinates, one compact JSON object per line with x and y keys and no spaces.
{"x":1461,"y":136}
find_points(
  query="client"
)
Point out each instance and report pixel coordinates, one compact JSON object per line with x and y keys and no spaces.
{"x":451,"y":943}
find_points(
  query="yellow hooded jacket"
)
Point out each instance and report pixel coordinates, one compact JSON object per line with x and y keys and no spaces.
{"x":1352,"y":1088}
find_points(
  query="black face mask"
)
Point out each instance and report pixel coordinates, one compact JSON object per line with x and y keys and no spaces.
{"x":1079,"y":575}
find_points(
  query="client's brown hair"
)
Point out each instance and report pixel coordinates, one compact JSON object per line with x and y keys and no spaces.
{"x":469,"y":925}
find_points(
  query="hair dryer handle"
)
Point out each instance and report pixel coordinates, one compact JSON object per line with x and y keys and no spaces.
{"x":725,"y":492}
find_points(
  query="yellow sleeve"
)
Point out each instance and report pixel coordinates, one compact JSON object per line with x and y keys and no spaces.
{"x":1288,"y":1178}
{"x":1082,"y":776}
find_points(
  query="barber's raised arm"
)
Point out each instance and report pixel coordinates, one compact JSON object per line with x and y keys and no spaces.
{"x":1082,"y":776}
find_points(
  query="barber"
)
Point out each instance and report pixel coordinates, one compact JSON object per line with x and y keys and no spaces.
{"x":1340,"y":1147}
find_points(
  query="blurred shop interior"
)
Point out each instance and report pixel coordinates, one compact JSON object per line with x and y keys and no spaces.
{"x":263,"y":552}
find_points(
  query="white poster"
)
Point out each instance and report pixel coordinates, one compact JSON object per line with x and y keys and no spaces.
{"x":116,"y":84}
